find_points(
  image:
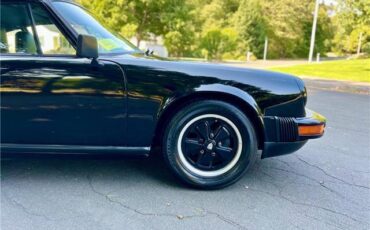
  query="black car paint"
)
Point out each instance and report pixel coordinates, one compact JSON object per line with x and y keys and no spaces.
{"x":69,"y":105}
{"x":155,"y":85}
{"x":62,"y":101}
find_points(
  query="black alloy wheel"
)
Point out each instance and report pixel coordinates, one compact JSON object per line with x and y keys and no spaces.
{"x":210,"y":144}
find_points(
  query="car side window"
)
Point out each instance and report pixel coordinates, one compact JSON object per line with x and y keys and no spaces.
{"x":16,"y":34}
{"x":52,"y":41}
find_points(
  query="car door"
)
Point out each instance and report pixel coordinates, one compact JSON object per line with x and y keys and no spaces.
{"x":48,"y":95}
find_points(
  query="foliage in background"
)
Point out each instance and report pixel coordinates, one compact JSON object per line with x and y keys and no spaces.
{"x":139,"y":18}
{"x":227,"y":29}
{"x":353,"y":18}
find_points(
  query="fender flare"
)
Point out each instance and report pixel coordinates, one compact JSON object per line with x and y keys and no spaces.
{"x":174,"y":103}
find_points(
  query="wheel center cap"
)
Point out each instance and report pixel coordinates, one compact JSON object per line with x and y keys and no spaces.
{"x":210,"y":146}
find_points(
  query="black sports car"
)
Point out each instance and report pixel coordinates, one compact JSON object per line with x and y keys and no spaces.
{"x":68,"y":85}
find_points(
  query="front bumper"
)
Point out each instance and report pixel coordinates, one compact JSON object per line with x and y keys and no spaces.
{"x":284,"y":135}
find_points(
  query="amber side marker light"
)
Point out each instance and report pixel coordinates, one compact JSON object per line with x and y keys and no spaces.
{"x":311,"y":130}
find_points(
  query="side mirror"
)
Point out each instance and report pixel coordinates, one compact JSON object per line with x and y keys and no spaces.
{"x":87,"y":46}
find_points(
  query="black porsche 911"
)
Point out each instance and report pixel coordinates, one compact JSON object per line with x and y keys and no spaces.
{"x":68,"y":85}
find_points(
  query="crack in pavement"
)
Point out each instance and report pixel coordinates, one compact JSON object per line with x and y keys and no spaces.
{"x":225,"y":219}
{"x":205,"y":211}
{"x":307,"y":205}
{"x":323,"y":221}
{"x":29,"y":212}
{"x":318,"y":182}
{"x":24,"y":208}
{"x":280,"y":188}
{"x":321,"y":184}
{"x":331,"y":176}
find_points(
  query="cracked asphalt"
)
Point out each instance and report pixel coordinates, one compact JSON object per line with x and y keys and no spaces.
{"x":326,"y":185}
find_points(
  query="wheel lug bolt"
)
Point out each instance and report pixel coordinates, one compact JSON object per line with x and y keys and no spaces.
{"x":211,"y":135}
{"x":219,"y":144}
{"x":202,"y":151}
{"x":213,"y":154}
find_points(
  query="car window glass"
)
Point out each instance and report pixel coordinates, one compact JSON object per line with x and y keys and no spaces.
{"x":83,"y":23}
{"x":52,"y":41}
{"x":16,"y":35}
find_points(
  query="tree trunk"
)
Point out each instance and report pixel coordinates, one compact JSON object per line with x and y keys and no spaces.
{"x":138,"y":40}
{"x":359,"y":45}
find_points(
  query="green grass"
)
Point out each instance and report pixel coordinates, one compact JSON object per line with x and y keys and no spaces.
{"x":350,"y":70}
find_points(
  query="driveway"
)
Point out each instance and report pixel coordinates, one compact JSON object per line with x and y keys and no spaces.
{"x":326,"y":185}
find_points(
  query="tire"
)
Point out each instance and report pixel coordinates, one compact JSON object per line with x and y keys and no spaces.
{"x":209,"y":144}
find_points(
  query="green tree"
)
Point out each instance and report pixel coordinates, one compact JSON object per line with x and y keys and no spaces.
{"x":212,"y":21}
{"x":138,"y":18}
{"x":179,"y":42}
{"x":352,"y":20}
{"x":324,"y":34}
{"x":229,"y":28}
{"x":216,"y":42}
{"x":286,"y":23}
{"x":251,"y":25}
{"x":178,"y":30}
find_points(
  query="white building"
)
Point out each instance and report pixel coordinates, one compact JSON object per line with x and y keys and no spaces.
{"x":153,"y":44}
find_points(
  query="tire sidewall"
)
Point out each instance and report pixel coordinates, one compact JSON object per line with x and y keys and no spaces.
{"x":179,"y":121}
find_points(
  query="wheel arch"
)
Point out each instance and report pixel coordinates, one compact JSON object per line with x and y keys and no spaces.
{"x":236,"y":97}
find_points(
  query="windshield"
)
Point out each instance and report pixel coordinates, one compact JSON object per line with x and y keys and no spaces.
{"x":83,"y":23}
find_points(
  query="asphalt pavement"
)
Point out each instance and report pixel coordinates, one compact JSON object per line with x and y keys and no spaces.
{"x":325,"y":185}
